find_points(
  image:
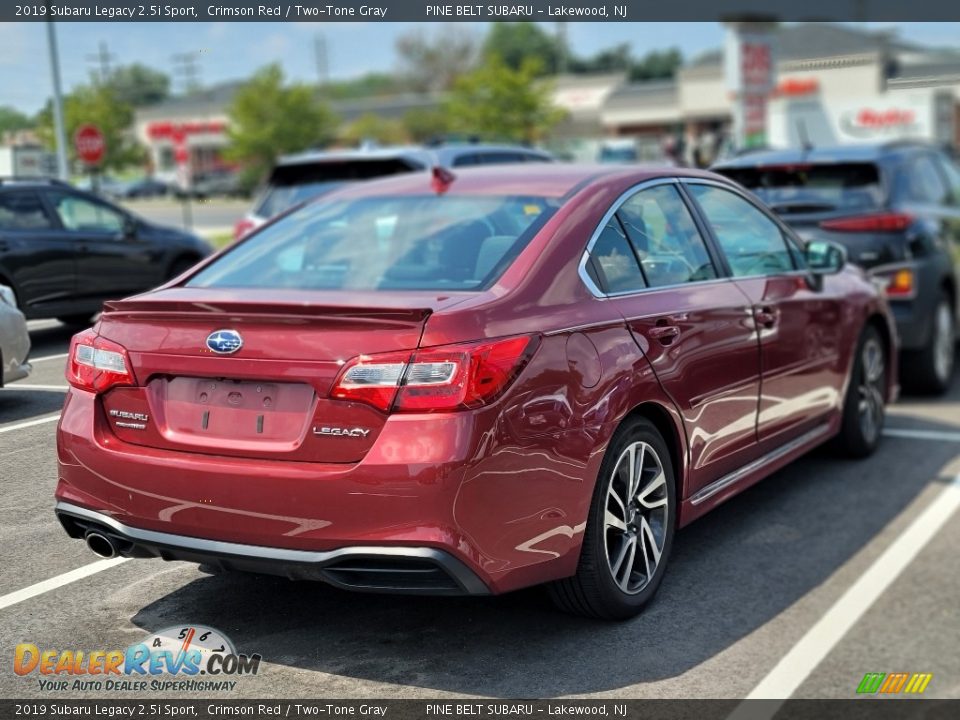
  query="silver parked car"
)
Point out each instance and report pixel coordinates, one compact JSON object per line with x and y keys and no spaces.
{"x":14,"y":339}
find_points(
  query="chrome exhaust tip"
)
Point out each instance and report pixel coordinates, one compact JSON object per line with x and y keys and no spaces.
{"x":101,"y":545}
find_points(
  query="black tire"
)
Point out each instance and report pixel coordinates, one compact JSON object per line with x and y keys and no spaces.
{"x":594,"y":591}
{"x":864,"y":406}
{"x":930,"y":370}
{"x":76,"y":321}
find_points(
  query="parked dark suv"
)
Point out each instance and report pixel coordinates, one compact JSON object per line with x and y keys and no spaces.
{"x":65,"y":251}
{"x":896,"y":207}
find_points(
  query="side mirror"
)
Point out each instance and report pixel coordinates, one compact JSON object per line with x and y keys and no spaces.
{"x":825,"y":257}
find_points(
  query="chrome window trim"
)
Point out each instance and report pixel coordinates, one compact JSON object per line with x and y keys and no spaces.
{"x":611,"y":211}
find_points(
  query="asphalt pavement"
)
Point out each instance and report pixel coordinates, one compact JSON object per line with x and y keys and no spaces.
{"x":826,"y":571}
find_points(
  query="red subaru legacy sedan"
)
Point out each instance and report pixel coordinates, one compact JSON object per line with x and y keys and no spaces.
{"x":471,"y":384}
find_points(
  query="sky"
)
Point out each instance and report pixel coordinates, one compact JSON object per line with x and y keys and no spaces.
{"x":230,"y":51}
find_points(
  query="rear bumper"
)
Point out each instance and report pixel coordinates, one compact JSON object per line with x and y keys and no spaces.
{"x":412,"y":570}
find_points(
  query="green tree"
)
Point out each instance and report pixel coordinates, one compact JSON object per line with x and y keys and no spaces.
{"x":616,"y":58}
{"x":498,"y":102}
{"x":12,"y":119}
{"x":433,"y":63}
{"x":656,"y":65}
{"x":516,"y":42}
{"x":138,"y":85}
{"x":370,"y":127}
{"x":269,"y":118}
{"x":100,"y":106}
{"x":423,"y":124}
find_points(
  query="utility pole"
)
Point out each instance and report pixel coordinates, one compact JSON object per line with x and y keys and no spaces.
{"x":102,"y":59}
{"x":187,"y":66}
{"x":321,"y":58}
{"x":63,"y":171}
{"x":562,"y":48}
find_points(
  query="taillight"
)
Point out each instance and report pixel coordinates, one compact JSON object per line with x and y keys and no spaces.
{"x":897,"y":283}
{"x":879,"y":222}
{"x":243,"y":226}
{"x":97,"y":364}
{"x":446,"y":378}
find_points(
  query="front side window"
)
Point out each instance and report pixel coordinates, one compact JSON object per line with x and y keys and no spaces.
{"x":22,"y":211}
{"x":406,"y":242}
{"x":666,"y":239}
{"x":80,"y":214}
{"x":752,"y":242}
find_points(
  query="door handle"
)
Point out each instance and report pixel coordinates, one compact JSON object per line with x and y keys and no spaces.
{"x":766,"y":317}
{"x":665,"y":334}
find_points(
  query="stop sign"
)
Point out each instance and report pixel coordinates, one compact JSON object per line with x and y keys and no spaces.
{"x":89,"y":143}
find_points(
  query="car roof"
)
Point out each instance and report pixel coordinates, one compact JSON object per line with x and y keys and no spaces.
{"x":33,"y":182}
{"x":543,"y":180}
{"x":860,"y":152}
{"x":442,"y":154}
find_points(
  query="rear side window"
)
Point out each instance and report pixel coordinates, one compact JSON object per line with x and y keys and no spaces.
{"x":614,"y":265}
{"x":292,"y":184}
{"x":429,"y":242}
{"x":919,"y":181}
{"x":952,"y":172}
{"x":751,"y":241}
{"x":670,"y":247}
{"x":21,"y":210}
{"x":813,"y":188}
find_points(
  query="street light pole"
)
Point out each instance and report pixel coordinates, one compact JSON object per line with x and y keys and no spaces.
{"x":61,"y":137}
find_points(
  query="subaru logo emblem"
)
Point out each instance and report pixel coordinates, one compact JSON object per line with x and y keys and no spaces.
{"x":224,"y":342}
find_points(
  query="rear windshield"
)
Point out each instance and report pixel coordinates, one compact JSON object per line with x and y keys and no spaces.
{"x":813,"y":188}
{"x":293,"y":184}
{"x":435,"y":242}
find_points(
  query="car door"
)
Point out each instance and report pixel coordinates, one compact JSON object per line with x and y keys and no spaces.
{"x":33,"y":254}
{"x":653,"y":263}
{"x":797,"y":323}
{"x":111,"y":261}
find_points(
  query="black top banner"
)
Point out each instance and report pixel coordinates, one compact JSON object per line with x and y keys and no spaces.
{"x":536,"y":10}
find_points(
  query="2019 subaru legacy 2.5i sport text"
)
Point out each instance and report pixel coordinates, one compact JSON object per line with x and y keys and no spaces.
{"x":471,"y":384}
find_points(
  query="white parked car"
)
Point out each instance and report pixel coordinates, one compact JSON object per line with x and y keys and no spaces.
{"x":14,"y":339}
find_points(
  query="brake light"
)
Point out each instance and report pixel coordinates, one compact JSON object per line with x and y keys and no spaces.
{"x":447,"y":378}
{"x":97,"y":364}
{"x":880,"y":222}
{"x":242,"y":227}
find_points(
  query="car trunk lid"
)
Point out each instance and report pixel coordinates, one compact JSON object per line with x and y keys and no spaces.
{"x":269,"y":398}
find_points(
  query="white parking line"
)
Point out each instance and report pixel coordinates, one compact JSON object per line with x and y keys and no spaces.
{"x":45,"y":586}
{"x":44,"y":388}
{"x":60,"y":356}
{"x":922,"y":434}
{"x":788,"y":674}
{"x":29,"y":423}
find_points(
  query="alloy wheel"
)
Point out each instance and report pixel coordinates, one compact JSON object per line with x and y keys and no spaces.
{"x":870,"y":389}
{"x":636,"y":514}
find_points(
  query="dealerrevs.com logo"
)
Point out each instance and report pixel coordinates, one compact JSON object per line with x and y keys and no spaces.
{"x":192,"y":658}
